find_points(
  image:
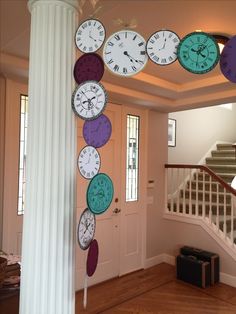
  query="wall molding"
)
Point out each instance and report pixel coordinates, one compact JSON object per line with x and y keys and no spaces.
{"x":169,"y":259}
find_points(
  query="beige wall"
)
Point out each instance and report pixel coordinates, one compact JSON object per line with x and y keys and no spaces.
{"x":2,"y":145}
{"x":166,"y":236}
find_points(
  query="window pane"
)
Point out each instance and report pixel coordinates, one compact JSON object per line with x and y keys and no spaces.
{"x":132,"y":158}
{"x":22,"y":157}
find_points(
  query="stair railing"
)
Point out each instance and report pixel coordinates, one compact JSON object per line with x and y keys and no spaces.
{"x":197,"y":192}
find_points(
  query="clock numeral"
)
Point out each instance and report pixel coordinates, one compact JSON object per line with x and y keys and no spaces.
{"x":152,"y":41}
{"x":117,"y":37}
{"x":156,"y":58}
{"x":101,"y":33}
{"x":198,"y":39}
{"x":110,"y":61}
{"x":99,"y":95}
{"x":135,"y":36}
{"x":124,"y":70}
{"x":89,"y":23}
{"x":170,"y":58}
{"x":84,"y":25}
{"x":90,"y":48}
{"x":79,"y":32}
{"x":170,"y":35}
{"x":187,"y":46}
{"x":175,"y":40}
{"x":210,"y":59}
{"x":134,"y":68}
{"x":141,"y":44}
{"x":96,"y":46}
{"x":95,"y":23}
{"x":116,"y":67}
{"x":143,"y":52}
{"x":125,"y":34}
{"x":85,"y":48}
{"x":152,"y":54}
{"x":205,"y":40}
{"x":163,"y":60}
{"x":156,"y":36}
{"x":99,"y":27}
{"x":110,"y":43}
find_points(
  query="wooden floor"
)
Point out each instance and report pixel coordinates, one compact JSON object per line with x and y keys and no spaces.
{"x":156,"y":290}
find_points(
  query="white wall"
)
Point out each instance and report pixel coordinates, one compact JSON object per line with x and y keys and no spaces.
{"x":197,"y":130}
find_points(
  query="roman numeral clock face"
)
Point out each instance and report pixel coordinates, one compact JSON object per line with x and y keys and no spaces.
{"x":125,"y":53}
{"x":198,"y":52}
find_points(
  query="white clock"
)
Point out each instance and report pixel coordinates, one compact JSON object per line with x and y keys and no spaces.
{"x":162,"y":47}
{"x":90,"y":36}
{"x":86,"y":229}
{"x":124,"y":53}
{"x":89,"y":162}
{"x":89,"y":100}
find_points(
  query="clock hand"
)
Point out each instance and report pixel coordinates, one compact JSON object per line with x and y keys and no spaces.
{"x":91,"y":36}
{"x":163,"y":45}
{"x":84,"y":94}
{"x":131,"y":58}
{"x":194,"y":50}
{"x":204,"y":56}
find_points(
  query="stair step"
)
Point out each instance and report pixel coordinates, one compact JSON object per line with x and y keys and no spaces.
{"x":223,"y":168}
{"x":207,"y":185}
{"x":214,"y":197}
{"x":222,"y":153}
{"x":227,"y":177}
{"x":221,"y":161}
{"x":226,"y":146}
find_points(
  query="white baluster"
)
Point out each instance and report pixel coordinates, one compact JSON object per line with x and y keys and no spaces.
{"x":178,"y":194}
{"x":190,"y":192}
{"x":197,"y":191}
{"x":224,"y":226}
{"x":203,"y":195}
{"x":217,"y":205}
{"x":210,"y":199}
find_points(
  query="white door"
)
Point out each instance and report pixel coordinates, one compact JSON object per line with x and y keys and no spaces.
{"x":118,"y":232}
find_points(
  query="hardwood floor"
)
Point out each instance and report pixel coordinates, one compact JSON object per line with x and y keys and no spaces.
{"x":156,"y":290}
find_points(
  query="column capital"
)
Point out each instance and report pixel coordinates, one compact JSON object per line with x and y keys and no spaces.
{"x":72,"y":3}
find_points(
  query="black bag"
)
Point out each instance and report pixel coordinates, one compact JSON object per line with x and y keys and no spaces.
{"x":205,"y":256}
{"x":192,"y":270}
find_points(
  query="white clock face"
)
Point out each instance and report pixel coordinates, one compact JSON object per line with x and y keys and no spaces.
{"x":124,"y":53}
{"x":86,"y":229}
{"x":89,"y":100}
{"x":162,"y":47}
{"x":89,"y":162}
{"x":90,"y":36}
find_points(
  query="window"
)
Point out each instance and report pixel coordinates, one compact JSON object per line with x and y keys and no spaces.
{"x":22,"y":157}
{"x":132,"y":158}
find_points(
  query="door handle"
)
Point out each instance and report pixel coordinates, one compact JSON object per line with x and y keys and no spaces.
{"x":116,"y":210}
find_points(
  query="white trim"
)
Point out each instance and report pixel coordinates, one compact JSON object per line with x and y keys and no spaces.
{"x":217,"y":235}
{"x":169,"y":259}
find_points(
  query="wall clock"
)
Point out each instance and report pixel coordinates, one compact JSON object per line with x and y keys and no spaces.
{"x":89,"y":162}
{"x":90,"y":35}
{"x":198,"y":52}
{"x":124,"y":53}
{"x":86,"y":229}
{"x":89,"y":67}
{"x":162,"y":47}
{"x":97,"y":132}
{"x":100,"y":193}
{"x":89,"y":100}
{"x":228,"y":60}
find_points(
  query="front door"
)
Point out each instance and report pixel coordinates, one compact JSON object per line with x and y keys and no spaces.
{"x":119,"y":229}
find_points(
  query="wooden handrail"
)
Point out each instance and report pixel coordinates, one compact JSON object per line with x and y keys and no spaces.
{"x":209,"y":171}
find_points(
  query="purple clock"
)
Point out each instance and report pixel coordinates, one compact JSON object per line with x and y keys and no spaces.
{"x":92,"y":258}
{"x":228,"y":60}
{"x":97,"y":132}
{"x":89,"y":66}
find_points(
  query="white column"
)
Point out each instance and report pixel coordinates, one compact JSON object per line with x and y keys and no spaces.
{"x":47,"y":283}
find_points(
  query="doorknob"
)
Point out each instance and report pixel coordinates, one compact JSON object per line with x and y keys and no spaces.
{"x":116,"y":210}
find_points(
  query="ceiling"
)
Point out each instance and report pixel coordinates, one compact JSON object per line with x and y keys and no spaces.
{"x":164,"y":88}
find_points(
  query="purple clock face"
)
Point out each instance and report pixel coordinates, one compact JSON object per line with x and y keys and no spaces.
{"x":228,"y":60}
{"x":97,"y":132}
{"x":92,"y":258}
{"x":89,"y":66}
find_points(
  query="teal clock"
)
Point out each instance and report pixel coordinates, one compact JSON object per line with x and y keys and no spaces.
{"x":198,"y":52}
{"x":100,"y":193}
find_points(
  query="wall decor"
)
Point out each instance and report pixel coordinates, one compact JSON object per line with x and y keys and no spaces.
{"x":100,"y":193}
{"x":228,"y":60}
{"x":90,"y":35}
{"x":198,"y":52}
{"x":86,"y":229}
{"x":89,"y":100}
{"x":162,"y":47}
{"x":97,"y":132}
{"x":89,"y":67}
{"x":89,"y":162}
{"x":124,"y":53}
{"x":171,"y":132}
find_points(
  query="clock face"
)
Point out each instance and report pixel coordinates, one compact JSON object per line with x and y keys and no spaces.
{"x":89,"y":67}
{"x":86,"y":229}
{"x":90,"y":36}
{"x":89,"y":100}
{"x":228,"y":60}
{"x":100,"y":193}
{"x":92,"y":258}
{"x":162,"y":47}
{"x":97,"y":132}
{"x":89,"y":162}
{"x":124,"y":53}
{"x":198,"y":52}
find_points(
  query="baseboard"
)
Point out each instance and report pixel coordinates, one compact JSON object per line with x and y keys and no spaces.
{"x":169,"y":259}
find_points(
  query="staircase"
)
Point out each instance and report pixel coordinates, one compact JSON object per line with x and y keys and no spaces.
{"x":205,"y":192}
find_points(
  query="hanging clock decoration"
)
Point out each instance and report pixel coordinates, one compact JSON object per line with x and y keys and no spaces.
{"x":198,"y":52}
{"x":89,"y":100}
{"x":124,"y":53}
{"x":86,"y":229}
{"x":89,"y":162}
{"x":97,"y":132}
{"x":100,"y":193}
{"x":228,"y":60}
{"x":89,"y":67}
{"x":162,"y":47}
{"x":90,"y":36}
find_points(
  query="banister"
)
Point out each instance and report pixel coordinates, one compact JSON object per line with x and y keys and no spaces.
{"x":209,"y":171}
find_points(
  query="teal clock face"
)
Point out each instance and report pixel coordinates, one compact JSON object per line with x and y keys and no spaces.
{"x":100,"y":193}
{"x":198,"y":52}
